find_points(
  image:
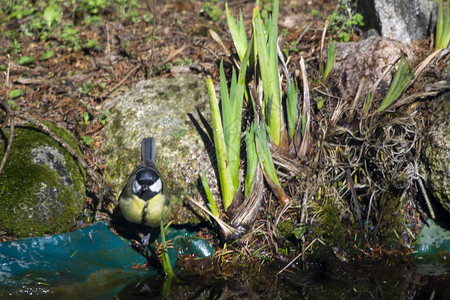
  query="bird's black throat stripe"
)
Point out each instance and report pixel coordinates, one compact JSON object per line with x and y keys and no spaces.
{"x":144,"y":213}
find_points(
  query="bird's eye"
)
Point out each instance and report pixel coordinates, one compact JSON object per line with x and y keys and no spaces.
{"x":136,"y":188}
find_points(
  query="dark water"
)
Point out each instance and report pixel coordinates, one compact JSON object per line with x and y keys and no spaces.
{"x":367,"y":280}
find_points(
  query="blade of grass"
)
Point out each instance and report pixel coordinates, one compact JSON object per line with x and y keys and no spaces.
{"x":261,"y":50}
{"x":331,"y":57}
{"x":226,"y":183}
{"x":367,"y":103}
{"x":165,"y":254}
{"x":373,"y":89}
{"x":322,"y":42}
{"x":442,"y":38}
{"x":275,"y":112}
{"x":439,"y":26}
{"x":445,"y":39}
{"x":292,"y":107}
{"x":398,"y":84}
{"x":268,"y":168}
{"x":237,"y":30}
{"x":227,"y":135}
{"x":268,"y":62}
{"x":212,"y":205}
{"x":225,"y":104}
{"x":252,"y":159}
{"x":291,"y":104}
{"x":306,"y":112}
{"x":237,"y":91}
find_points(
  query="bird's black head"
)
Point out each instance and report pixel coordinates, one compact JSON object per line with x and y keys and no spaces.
{"x":147,"y":184}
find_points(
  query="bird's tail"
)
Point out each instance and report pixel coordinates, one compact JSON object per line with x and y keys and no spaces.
{"x":148,"y":149}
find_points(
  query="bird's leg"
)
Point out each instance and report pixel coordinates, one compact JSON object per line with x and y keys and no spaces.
{"x":153,"y":259}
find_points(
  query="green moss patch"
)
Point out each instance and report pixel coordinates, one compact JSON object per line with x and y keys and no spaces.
{"x":42,"y":188}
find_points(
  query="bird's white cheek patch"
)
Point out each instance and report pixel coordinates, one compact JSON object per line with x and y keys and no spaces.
{"x":136,"y":187}
{"x":156,"y":187}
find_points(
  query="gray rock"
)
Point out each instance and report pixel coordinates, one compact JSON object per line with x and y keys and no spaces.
{"x":434,"y":163}
{"x":167,"y":109}
{"x":42,"y":187}
{"x":403,"y":20}
{"x":367,"y":58}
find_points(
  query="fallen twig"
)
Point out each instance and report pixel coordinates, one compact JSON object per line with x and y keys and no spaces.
{"x":298,"y":256}
{"x":12,"y":122}
{"x":322,"y":41}
{"x":107,"y":93}
{"x":10,"y":113}
{"x":227,"y":230}
{"x":306,"y":113}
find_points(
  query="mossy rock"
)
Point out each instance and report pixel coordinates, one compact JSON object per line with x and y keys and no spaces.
{"x":434,"y":163}
{"x":339,"y":228}
{"x":42,"y":190}
{"x":392,"y":226}
{"x":332,"y":226}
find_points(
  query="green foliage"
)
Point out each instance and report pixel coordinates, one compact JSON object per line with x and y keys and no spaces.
{"x":167,"y":266}
{"x":330,"y":227}
{"x":86,"y":140}
{"x":264,"y":156}
{"x":103,"y":116}
{"x":47,"y":55}
{"x":367,"y":103}
{"x":237,"y":30}
{"x":303,"y":122}
{"x":343,"y":21}
{"x":15,"y":93}
{"x":443,"y":26}
{"x":93,"y":6}
{"x":212,"y":205}
{"x":52,"y":14}
{"x":90,"y":44}
{"x":25,"y":60}
{"x":15,"y":47}
{"x":331,"y":57}
{"x":226,"y":182}
{"x":13,"y":104}
{"x":213,"y":10}
{"x":316,"y":13}
{"x":291,"y":107}
{"x":43,"y":19}
{"x":320,"y":101}
{"x":232,"y":117}
{"x":402,"y":77}
{"x":263,"y":47}
{"x":266,"y":36}
{"x":266,"y":7}
{"x":227,"y":135}
{"x":70,"y":37}
{"x":88,"y":87}
{"x":293,"y":47}
{"x":252,"y":159}
{"x":266,"y":162}
{"x":86,"y":118}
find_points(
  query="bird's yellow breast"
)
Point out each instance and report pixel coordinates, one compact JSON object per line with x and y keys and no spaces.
{"x":132,"y":208}
{"x":148,"y":212}
{"x":158,"y":208}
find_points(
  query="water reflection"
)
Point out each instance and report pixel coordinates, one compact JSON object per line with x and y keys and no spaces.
{"x":343,"y":281}
{"x":325,"y":280}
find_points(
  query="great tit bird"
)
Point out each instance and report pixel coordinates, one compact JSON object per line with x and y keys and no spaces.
{"x":143,"y":199}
